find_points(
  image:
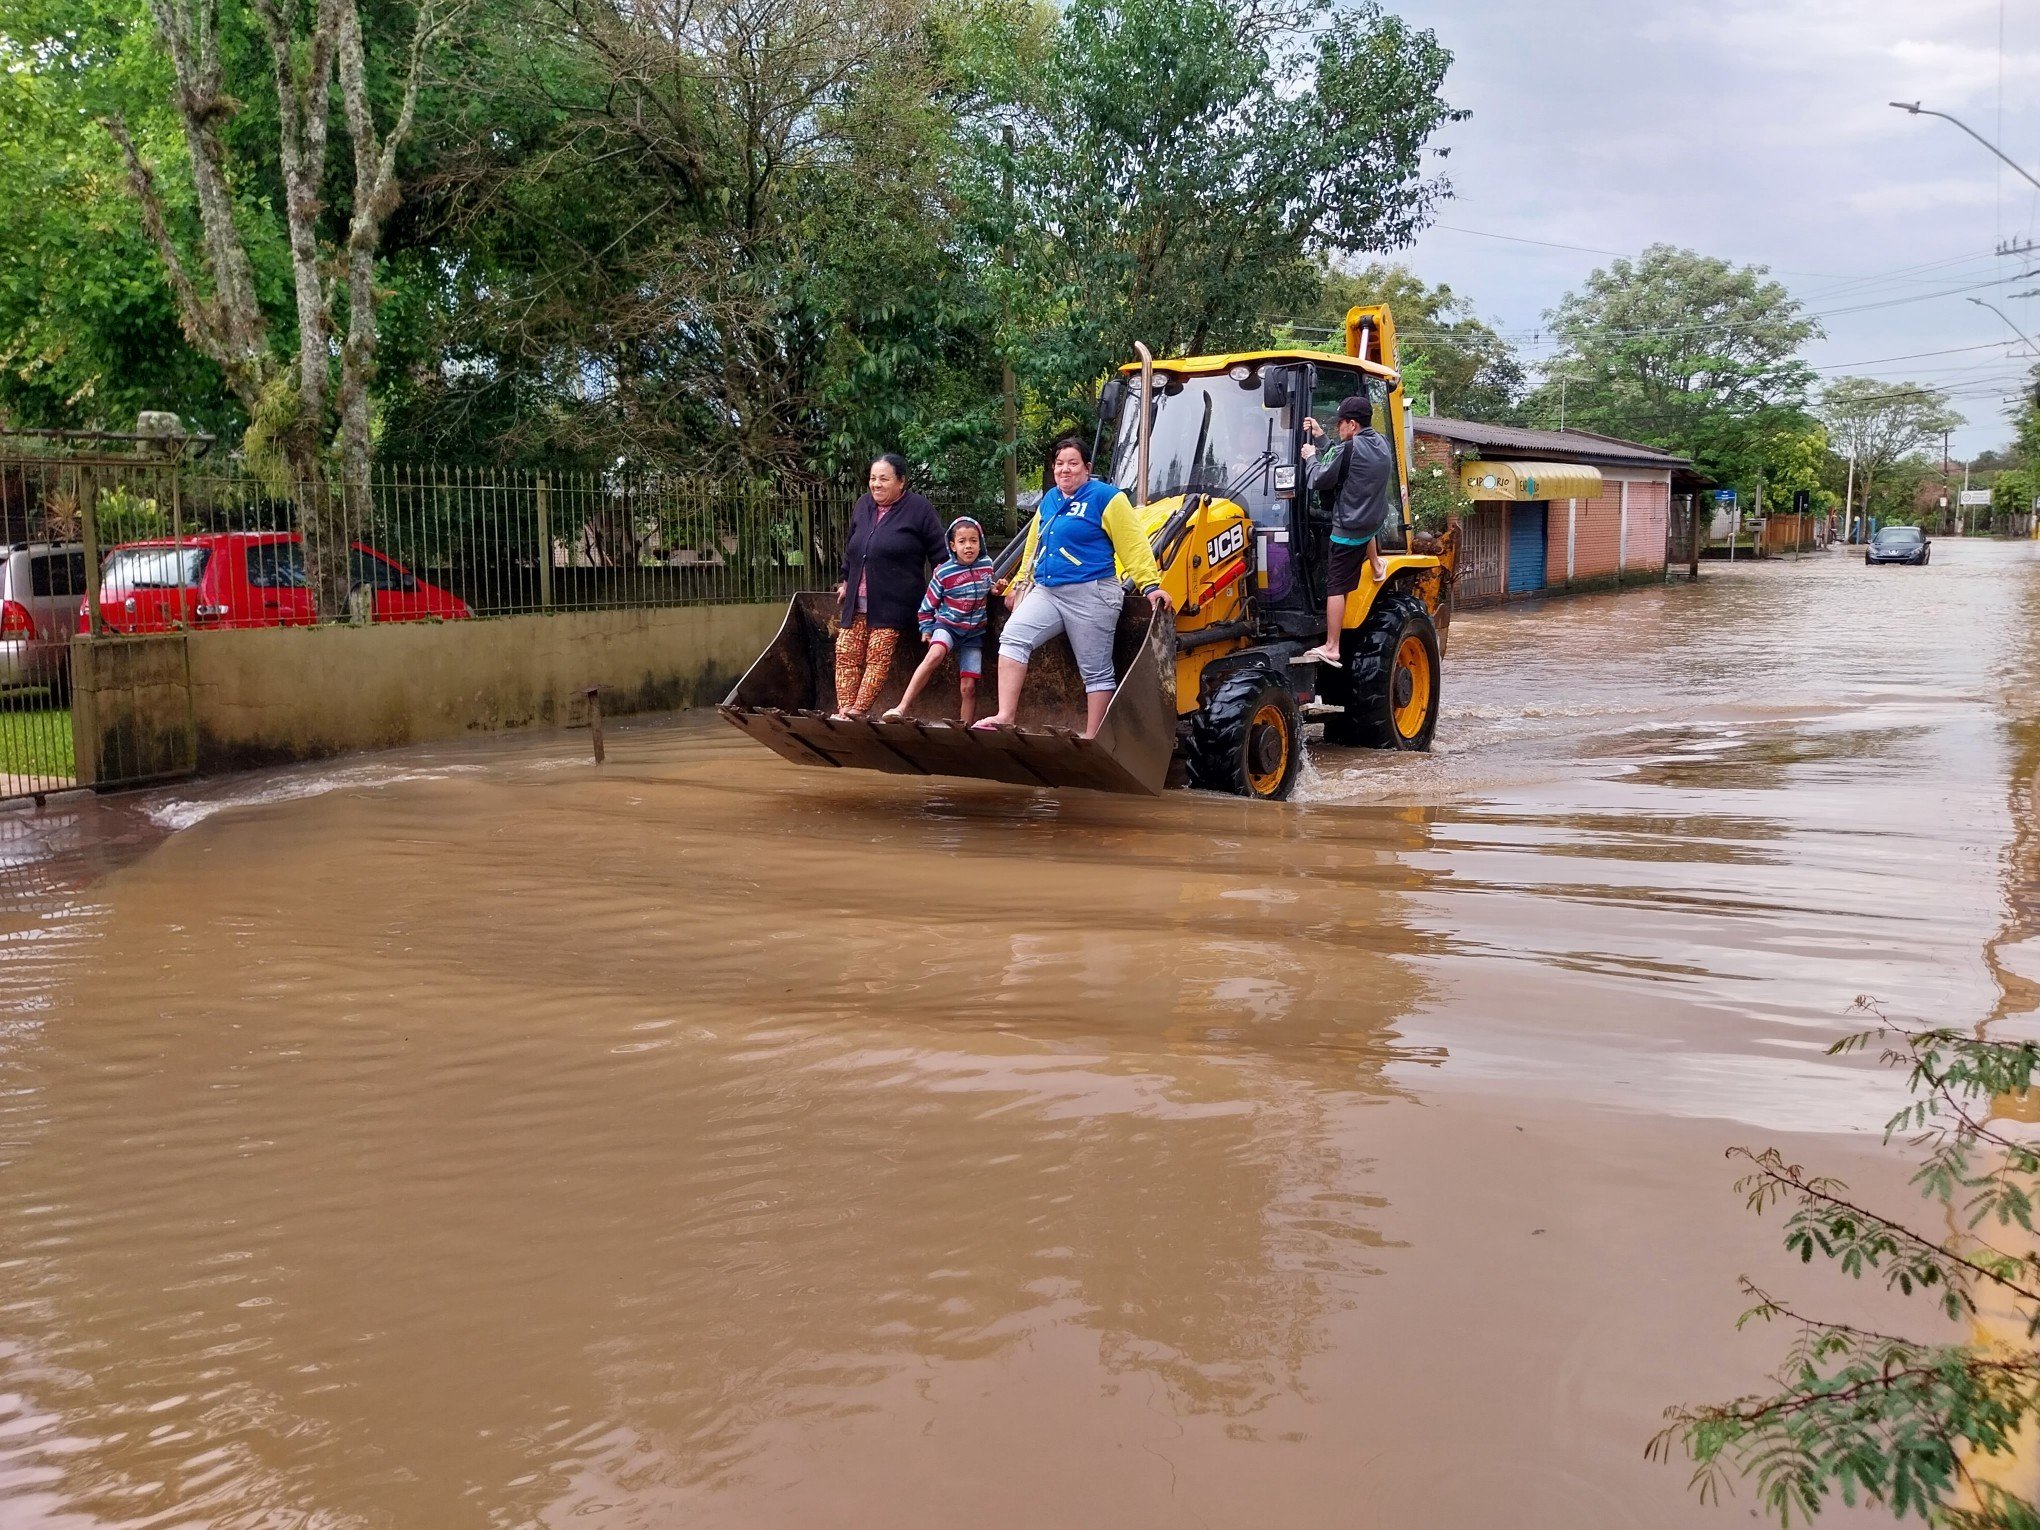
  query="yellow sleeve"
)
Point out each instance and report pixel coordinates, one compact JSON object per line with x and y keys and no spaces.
{"x":1023,"y":571}
{"x":1130,"y":545}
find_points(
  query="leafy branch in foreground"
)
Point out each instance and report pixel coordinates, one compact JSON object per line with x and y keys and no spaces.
{"x":1919,"y":1428}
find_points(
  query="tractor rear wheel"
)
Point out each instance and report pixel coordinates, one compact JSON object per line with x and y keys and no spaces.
{"x":1392,"y":675}
{"x":1248,"y":739}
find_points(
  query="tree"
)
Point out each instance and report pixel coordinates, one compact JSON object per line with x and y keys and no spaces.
{"x":1447,"y":350}
{"x":1879,"y":425}
{"x":88,"y":327}
{"x":1916,"y":1427}
{"x":1681,"y":351}
{"x":721,"y":233}
{"x":1788,"y":452}
{"x":1185,"y":166}
{"x":294,"y":401}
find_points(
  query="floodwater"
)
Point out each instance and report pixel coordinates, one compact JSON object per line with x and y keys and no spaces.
{"x":473,"y":1137}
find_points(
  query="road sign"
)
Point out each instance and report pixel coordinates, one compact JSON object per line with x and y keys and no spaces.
{"x":1724,"y":496}
{"x":1802,"y":501}
{"x":1975,"y":499}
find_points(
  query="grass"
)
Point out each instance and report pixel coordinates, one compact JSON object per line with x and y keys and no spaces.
{"x":35,"y":740}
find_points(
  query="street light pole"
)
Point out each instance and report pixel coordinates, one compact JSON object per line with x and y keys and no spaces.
{"x":1849,"y":495}
{"x":1980,"y":303}
{"x":1918,"y":110}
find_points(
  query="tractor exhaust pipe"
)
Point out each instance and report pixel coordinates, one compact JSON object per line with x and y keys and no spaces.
{"x":1147,"y":379}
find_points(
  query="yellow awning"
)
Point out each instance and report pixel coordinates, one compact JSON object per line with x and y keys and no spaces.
{"x":1529,"y":480}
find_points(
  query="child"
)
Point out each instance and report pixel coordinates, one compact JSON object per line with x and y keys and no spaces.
{"x":953,"y":615}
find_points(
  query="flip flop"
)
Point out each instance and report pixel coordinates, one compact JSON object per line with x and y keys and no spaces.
{"x":1316,"y":656}
{"x":892,"y":714}
{"x":988,"y":726}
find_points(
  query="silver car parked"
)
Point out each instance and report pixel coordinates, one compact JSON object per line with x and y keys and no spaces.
{"x":40,"y":586}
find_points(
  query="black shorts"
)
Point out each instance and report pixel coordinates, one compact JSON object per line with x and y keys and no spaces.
{"x":1343,"y":576}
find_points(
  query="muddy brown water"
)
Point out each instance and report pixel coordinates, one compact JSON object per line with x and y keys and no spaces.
{"x":472,"y":1137}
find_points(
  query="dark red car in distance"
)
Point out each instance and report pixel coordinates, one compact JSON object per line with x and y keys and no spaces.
{"x":248,"y":579}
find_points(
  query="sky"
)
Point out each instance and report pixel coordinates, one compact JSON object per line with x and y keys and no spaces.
{"x":1758,"y":131}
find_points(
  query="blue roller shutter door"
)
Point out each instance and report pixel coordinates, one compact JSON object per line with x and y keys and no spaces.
{"x":1526,"y":548}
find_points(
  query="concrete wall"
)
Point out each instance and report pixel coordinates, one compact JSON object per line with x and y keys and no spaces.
{"x":232,"y":699}
{"x":1650,"y":502}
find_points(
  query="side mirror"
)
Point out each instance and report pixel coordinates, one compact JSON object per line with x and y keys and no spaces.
{"x":1275,"y":388}
{"x":1111,"y":399}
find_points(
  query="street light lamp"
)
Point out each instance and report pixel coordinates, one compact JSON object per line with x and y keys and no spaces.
{"x":1980,"y":303}
{"x":1918,"y":110}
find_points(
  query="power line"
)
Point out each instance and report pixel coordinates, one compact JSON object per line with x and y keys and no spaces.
{"x":1843,"y":366}
{"x":1899,"y":273}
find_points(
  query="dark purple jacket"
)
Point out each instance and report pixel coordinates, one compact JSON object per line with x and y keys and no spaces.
{"x":896,"y":553}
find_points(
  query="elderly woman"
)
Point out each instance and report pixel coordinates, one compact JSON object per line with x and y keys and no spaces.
{"x":895,"y":537}
{"x":1084,"y":536}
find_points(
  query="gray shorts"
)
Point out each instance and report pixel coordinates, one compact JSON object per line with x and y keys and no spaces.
{"x":1087,"y":614}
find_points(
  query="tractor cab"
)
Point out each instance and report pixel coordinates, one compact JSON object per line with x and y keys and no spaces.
{"x":1230,"y":428}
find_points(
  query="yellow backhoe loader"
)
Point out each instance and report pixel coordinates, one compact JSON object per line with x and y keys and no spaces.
{"x":1209,"y":449}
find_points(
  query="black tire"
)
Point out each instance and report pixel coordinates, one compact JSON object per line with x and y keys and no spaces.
{"x":1248,"y":738}
{"x":1379,"y":688}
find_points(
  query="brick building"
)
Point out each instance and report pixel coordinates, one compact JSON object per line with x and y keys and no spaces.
{"x":1556,"y":509}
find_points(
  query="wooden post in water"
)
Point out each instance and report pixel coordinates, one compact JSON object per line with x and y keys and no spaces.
{"x":594,"y":694}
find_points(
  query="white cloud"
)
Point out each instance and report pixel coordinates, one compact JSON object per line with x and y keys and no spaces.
{"x":1756,"y":131}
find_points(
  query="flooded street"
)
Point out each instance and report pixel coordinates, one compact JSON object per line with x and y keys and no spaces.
{"x":474,"y":1138}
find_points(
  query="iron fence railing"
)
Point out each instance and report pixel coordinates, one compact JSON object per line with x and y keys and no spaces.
{"x":129,"y":534}
{"x":423,"y":541}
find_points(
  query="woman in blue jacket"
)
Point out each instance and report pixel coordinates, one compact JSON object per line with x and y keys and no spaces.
{"x":1085,"y":536}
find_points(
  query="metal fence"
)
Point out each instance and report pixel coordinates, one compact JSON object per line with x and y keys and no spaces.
{"x":466,"y":542}
{"x":118,"y":535}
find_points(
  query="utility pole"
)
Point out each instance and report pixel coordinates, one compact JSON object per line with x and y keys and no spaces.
{"x":1944,"y":480}
{"x":1561,"y":401}
{"x":1849,"y":495}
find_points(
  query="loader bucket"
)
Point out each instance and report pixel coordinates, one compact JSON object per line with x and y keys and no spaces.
{"x":785,"y":699}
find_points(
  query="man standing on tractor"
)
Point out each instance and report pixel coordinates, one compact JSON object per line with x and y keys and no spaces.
{"x":1352,"y":482}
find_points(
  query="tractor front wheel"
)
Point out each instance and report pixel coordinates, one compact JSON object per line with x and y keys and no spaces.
{"x":1392,"y":678}
{"x":1248,"y":739}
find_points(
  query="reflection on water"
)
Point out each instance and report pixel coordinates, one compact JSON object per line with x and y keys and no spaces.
{"x":476,"y":1138}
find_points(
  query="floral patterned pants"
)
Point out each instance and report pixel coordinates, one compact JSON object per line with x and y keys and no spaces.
{"x":863,"y":660}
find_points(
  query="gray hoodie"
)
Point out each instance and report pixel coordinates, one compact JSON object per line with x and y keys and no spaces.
{"x":1355,"y":477}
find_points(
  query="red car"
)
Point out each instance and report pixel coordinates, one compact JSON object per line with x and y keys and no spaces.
{"x":248,"y":579}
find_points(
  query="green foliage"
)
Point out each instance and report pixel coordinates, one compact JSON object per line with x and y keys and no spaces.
{"x":1447,"y":350}
{"x":1884,"y":426}
{"x":1435,"y":497}
{"x":759,"y":237}
{"x":1862,"y":1416}
{"x":123,"y":516}
{"x":88,"y":332}
{"x":1184,"y":167}
{"x":1681,"y":351}
{"x":2015,"y":491}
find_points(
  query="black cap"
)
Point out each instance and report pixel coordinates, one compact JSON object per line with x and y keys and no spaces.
{"x":1359,"y":408}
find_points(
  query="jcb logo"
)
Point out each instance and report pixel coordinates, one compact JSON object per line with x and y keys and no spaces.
{"x":1225,"y":544}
